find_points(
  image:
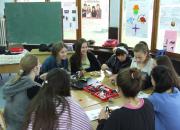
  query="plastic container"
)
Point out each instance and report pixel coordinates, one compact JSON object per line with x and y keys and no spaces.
{"x":101,"y":91}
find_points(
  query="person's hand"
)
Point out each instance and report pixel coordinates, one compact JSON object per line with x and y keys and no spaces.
{"x":114,"y":49}
{"x":43,"y":76}
{"x":83,"y":72}
{"x":107,"y":73}
{"x":103,"y":114}
{"x":104,"y":67}
{"x":113,"y":78}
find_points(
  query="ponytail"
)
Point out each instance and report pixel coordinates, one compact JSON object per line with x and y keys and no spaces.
{"x":130,"y":81}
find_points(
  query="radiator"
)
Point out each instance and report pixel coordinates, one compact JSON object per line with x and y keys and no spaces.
{"x":2,"y":32}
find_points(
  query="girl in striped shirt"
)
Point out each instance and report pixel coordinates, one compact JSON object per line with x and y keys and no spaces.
{"x":53,"y":108}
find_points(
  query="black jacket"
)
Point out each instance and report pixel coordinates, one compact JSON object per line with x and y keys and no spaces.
{"x":115,"y":65}
{"x":130,"y":119}
{"x":94,"y":63}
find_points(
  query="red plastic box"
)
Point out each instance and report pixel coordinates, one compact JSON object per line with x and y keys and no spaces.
{"x":101,"y":91}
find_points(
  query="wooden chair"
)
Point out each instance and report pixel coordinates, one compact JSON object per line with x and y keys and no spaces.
{"x":2,"y":121}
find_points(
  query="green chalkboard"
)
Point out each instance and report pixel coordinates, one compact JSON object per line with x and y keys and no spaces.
{"x":34,"y":23}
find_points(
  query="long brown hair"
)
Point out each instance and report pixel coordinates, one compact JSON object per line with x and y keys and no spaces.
{"x":165,"y":60}
{"x":27,"y":63}
{"x":77,"y":53}
{"x":164,"y":78}
{"x":43,"y":106}
{"x":130,"y":81}
{"x":56,"y":47}
{"x":143,"y":47}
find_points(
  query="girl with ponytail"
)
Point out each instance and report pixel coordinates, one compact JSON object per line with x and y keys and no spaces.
{"x":134,"y":113}
{"x":19,"y":91}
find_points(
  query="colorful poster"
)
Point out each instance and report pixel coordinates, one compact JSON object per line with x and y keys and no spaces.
{"x":137,"y":13}
{"x":170,"y":18}
{"x":70,"y":17}
{"x":170,"y":38}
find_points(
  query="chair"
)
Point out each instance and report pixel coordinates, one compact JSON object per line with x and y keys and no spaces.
{"x":160,"y":52}
{"x":2,"y":121}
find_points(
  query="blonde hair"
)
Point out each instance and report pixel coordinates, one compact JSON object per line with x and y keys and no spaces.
{"x":27,"y":63}
{"x":143,"y":47}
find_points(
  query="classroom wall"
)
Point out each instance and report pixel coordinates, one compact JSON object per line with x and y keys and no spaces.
{"x":2,"y":6}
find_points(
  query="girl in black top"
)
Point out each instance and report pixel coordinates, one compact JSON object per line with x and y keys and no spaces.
{"x":120,"y":59}
{"x":83,"y":59}
{"x":135,"y":113}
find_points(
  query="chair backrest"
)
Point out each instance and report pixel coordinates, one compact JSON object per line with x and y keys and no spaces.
{"x":2,"y":121}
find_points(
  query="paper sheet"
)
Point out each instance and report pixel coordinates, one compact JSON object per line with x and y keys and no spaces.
{"x":170,"y":38}
{"x":93,"y":114}
{"x":137,"y":18}
{"x":141,"y":94}
{"x":170,"y":18}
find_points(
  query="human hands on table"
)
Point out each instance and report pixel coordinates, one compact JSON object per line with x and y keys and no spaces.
{"x":103,"y":114}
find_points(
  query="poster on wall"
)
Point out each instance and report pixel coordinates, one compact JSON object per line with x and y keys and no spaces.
{"x":91,"y":9}
{"x":170,"y":18}
{"x":170,"y":38}
{"x":70,"y":16}
{"x":137,"y":13}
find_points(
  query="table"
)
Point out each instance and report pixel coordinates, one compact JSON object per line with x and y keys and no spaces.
{"x":14,"y":68}
{"x":89,"y":102}
{"x":10,"y":63}
{"x":86,"y":99}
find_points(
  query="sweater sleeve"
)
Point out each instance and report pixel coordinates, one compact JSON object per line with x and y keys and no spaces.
{"x":94,"y":63}
{"x":101,"y":124}
{"x":110,"y":61}
{"x":48,"y":64}
{"x":44,"y":68}
{"x":73,"y":63}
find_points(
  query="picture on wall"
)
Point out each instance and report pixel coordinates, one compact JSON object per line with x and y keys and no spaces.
{"x":91,"y":9}
{"x":70,"y":17}
{"x":137,"y":17}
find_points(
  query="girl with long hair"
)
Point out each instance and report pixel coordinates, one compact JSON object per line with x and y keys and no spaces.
{"x":83,"y":59}
{"x":53,"y":108}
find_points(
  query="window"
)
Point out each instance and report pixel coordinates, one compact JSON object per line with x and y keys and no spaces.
{"x":95,"y":20}
{"x":69,"y":29}
{"x":169,"y":26}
